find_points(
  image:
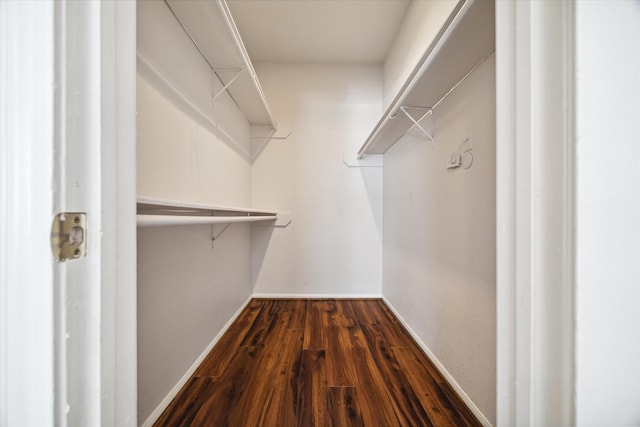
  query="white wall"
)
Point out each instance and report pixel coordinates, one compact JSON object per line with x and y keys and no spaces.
{"x":333,"y":245}
{"x":439,"y":238}
{"x":187,"y":291}
{"x":422,"y":22}
{"x":179,"y":159}
{"x":188,"y":150}
{"x":608,"y":214}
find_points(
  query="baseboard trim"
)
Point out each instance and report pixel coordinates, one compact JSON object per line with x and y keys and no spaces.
{"x":465,"y":398}
{"x":176,"y":389}
{"x":316,"y":296}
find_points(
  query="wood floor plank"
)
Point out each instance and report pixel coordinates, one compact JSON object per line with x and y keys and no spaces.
{"x":190,"y":399}
{"x":435,"y":398}
{"x":344,"y":410}
{"x":312,"y":401}
{"x":297,"y":310}
{"x":250,"y":407}
{"x":376,"y":313}
{"x":339,"y":357}
{"x":216,"y":408}
{"x":373,"y":395}
{"x":340,"y":313}
{"x":406,"y":403}
{"x":281,"y":409}
{"x":313,"y":329}
{"x":262,"y":325}
{"x":217,"y":360}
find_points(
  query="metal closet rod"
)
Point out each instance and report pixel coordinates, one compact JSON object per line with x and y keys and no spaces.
{"x":401,"y":107}
{"x":213,"y":69}
{"x":430,"y":110}
{"x":466,"y":76}
{"x":443,"y":97}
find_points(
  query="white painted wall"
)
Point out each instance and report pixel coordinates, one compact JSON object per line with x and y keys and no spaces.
{"x":439,"y":238}
{"x":188,"y":150}
{"x":422,"y":22}
{"x":179,"y":159}
{"x":608,"y":213}
{"x":333,"y":245}
{"x":187,"y":291}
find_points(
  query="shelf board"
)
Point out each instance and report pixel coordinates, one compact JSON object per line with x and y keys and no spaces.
{"x":211,"y":27}
{"x":466,"y":39}
{"x":168,"y":220}
{"x":162,"y":212}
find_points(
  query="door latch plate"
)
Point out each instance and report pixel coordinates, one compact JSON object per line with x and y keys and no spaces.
{"x":68,"y":236}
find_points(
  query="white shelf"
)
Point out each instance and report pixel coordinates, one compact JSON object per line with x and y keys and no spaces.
{"x":210,"y":26}
{"x":161,"y":212}
{"x":465,"y":40}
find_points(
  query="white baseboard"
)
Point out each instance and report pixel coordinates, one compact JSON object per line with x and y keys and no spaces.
{"x":315,"y":296}
{"x":467,"y":400}
{"x":187,"y":375}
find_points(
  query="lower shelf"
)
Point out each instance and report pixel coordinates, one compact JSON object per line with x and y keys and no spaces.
{"x":158,"y":212}
{"x":164,"y":220}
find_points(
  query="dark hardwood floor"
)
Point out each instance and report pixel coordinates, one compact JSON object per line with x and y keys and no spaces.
{"x":317,"y":363}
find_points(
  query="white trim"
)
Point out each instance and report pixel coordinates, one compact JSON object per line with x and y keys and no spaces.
{"x":27,"y":297}
{"x":94,"y":173}
{"x":316,"y":296}
{"x":467,"y":400}
{"x":187,"y":375}
{"x":535,"y":213}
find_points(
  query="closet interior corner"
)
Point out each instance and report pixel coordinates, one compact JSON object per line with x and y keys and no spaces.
{"x":253,"y":179}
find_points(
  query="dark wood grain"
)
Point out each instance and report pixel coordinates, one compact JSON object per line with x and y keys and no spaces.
{"x":313,"y":330}
{"x":344,"y":410}
{"x":317,"y":363}
{"x":281,"y":405}
{"x":218,"y":359}
{"x":312,"y":385}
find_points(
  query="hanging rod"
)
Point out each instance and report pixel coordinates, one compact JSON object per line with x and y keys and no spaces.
{"x":466,"y":76}
{"x":204,"y":57}
{"x":465,"y":40}
{"x":226,"y":86}
{"x":244,"y":55}
{"x":430,"y":110}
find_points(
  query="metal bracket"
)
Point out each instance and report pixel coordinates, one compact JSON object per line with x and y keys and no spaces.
{"x":215,"y":236}
{"x":68,"y":236}
{"x":415,"y":122}
{"x":226,"y":86}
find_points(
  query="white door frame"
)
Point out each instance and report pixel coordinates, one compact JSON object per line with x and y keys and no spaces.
{"x":535,"y":213}
{"x":68,"y":346}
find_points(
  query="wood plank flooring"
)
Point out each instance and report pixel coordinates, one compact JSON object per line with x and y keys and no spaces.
{"x":306,"y":363}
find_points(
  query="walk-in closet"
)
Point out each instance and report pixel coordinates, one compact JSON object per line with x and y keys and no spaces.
{"x":319,"y":213}
{"x":315,"y":177}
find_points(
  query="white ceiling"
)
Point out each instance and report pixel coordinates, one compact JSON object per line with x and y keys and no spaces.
{"x":355,"y":31}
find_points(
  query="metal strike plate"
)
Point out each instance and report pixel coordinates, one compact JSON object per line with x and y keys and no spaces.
{"x":68,"y":236}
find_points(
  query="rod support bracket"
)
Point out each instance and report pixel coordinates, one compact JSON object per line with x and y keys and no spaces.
{"x":416,"y":123}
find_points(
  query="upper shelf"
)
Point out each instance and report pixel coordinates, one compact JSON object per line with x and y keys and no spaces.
{"x":210,"y":26}
{"x":466,"y":39}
